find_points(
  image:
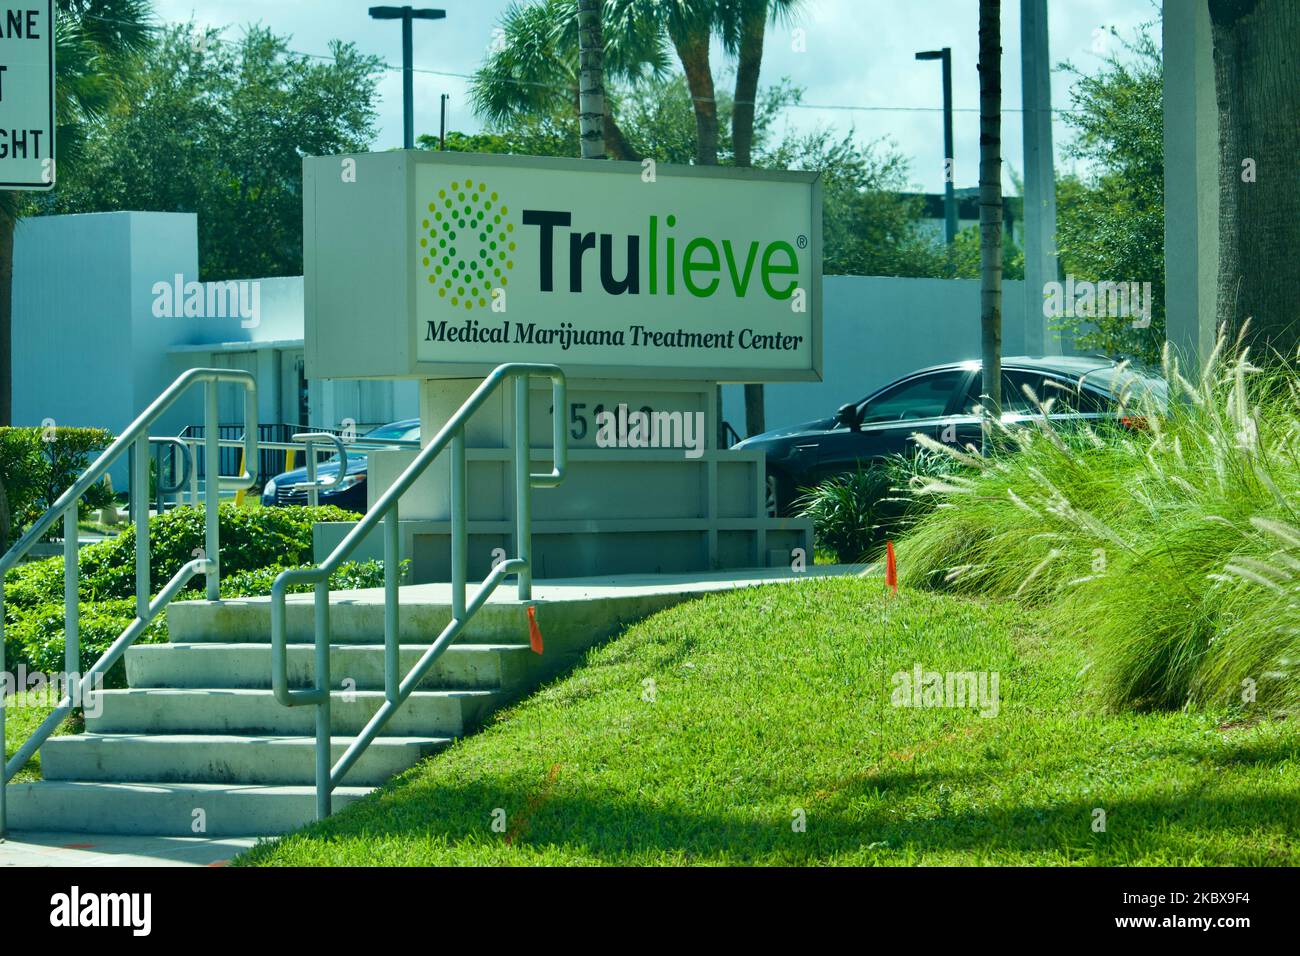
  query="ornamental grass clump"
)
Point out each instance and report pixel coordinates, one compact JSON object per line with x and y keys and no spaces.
{"x":1167,"y":541}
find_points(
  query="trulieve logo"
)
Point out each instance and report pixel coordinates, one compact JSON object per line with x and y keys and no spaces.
{"x":468,"y":245}
{"x":700,"y":263}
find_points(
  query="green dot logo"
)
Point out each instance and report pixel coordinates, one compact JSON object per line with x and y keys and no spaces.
{"x":466,"y":244}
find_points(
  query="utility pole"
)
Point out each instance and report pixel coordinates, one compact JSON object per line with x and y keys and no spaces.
{"x":1040,"y":177}
{"x":442,"y":121}
{"x":949,"y":164}
{"x":407,"y":15}
{"x":990,"y":71}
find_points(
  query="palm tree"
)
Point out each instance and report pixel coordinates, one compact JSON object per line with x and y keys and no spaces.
{"x":591,"y":79}
{"x":743,"y":25}
{"x":534,"y":69}
{"x":1258,"y":94}
{"x":689,"y":26}
{"x":990,"y":70}
{"x":93,"y":39}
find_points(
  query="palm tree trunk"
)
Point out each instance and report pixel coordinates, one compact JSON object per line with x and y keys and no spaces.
{"x":990,"y":71}
{"x":591,"y":79}
{"x":1258,"y":92}
{"x":693,"y":50}
{"x":749,"y":60}
{"x":616,"y":144}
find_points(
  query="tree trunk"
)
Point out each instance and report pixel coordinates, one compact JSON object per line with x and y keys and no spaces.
{"x":693,"y":50}
{"x":749,"y":60}
{"x":1257,"y":85}
{"x":616,"y":144}
{"x":591,"y":79}
{"x":990,"y":71}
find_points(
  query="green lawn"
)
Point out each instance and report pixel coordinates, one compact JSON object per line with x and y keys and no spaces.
{"x":23,"y":714}
{"x":775,"y":700}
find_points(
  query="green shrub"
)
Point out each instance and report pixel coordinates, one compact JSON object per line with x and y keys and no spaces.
{"x":854,"y":514}
{"x":38,"y":636}
{"x":1172,"y":551}
{"x":251,"y":538}
{"x":39,"y":464}
{"x":256,"y":545}
{"x":845,"y":512}
{"x":352,"y":576}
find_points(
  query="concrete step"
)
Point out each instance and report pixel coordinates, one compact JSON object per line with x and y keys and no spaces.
{"x":167,"y":809}
{"x":464,"y":666}
{"x":222,"y":758}
{"x":426,"y":713}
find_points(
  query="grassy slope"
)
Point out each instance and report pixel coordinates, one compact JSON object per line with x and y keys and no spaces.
{"x":23,"y":714}
{"x":776,"y":699}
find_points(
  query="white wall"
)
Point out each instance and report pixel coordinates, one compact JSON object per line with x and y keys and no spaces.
{"x":877,"y":328}
{"x":89,"y":351}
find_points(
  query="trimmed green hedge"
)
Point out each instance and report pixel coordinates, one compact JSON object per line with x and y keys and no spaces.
{"x":256,"y":545}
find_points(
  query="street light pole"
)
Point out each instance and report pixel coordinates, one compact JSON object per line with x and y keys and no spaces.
{"x":407,"y":15}
{"x":949,"y":164}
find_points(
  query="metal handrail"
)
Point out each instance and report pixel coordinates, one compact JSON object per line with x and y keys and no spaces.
{"x":136,"y":438}
{"x":397,"y":688}
{"x":314,"y":484}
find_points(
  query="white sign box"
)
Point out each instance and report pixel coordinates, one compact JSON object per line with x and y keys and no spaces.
{"x":27,"y":95}
{"x":447,"y":264}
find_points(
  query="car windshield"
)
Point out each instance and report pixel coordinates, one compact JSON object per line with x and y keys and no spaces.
{"x":393,"y":433}
{"x":381,"y":434}
{"x":925,"y":396}
{"x":1141,"y":385}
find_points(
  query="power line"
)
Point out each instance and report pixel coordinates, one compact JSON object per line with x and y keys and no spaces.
{"x":839,"y":107}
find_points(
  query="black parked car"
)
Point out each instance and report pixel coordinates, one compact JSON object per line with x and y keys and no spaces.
{"x":350,"y":493}
{"x":939,"y":402}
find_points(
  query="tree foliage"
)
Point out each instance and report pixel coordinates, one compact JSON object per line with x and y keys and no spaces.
{"x":1110,"y":222}
{"x":219,"y":128}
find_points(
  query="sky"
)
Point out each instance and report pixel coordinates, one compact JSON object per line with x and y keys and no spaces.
{"x":856,"y":53}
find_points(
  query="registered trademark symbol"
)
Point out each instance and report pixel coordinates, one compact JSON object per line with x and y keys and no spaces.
{"x":803,"y":242}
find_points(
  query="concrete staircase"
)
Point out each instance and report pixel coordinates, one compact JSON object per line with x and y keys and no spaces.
{"x":198,"y":735}
{"x":198,"y":728}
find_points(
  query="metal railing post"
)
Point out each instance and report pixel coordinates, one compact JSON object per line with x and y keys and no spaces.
{"x":322,"y":633}
{"x":71,"y":606}
{"x":459,"y":535}
{"x":212,"y":493}
{"x":464,"y":606}
{"x":133,"y":444}
{"x":193,"y":447}
{"x":313,"y":493}
{"x":523,"y":488}
{"x":140,"y":504}
{"x":392,"y":623}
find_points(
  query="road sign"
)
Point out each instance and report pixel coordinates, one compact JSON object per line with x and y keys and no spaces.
{"x":27,"y":95}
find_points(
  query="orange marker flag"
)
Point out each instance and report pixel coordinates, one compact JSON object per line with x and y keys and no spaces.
{"x":534,"y":632}
{"x":891,"y":568}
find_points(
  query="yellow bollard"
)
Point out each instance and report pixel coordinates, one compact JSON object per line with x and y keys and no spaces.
{"x":239,"y":495}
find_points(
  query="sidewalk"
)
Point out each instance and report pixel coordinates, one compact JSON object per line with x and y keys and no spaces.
{"x":115,"y":850}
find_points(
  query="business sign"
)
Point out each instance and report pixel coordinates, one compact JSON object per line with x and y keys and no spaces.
{"x":603,"y":268}
{"x":27,"y":95}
